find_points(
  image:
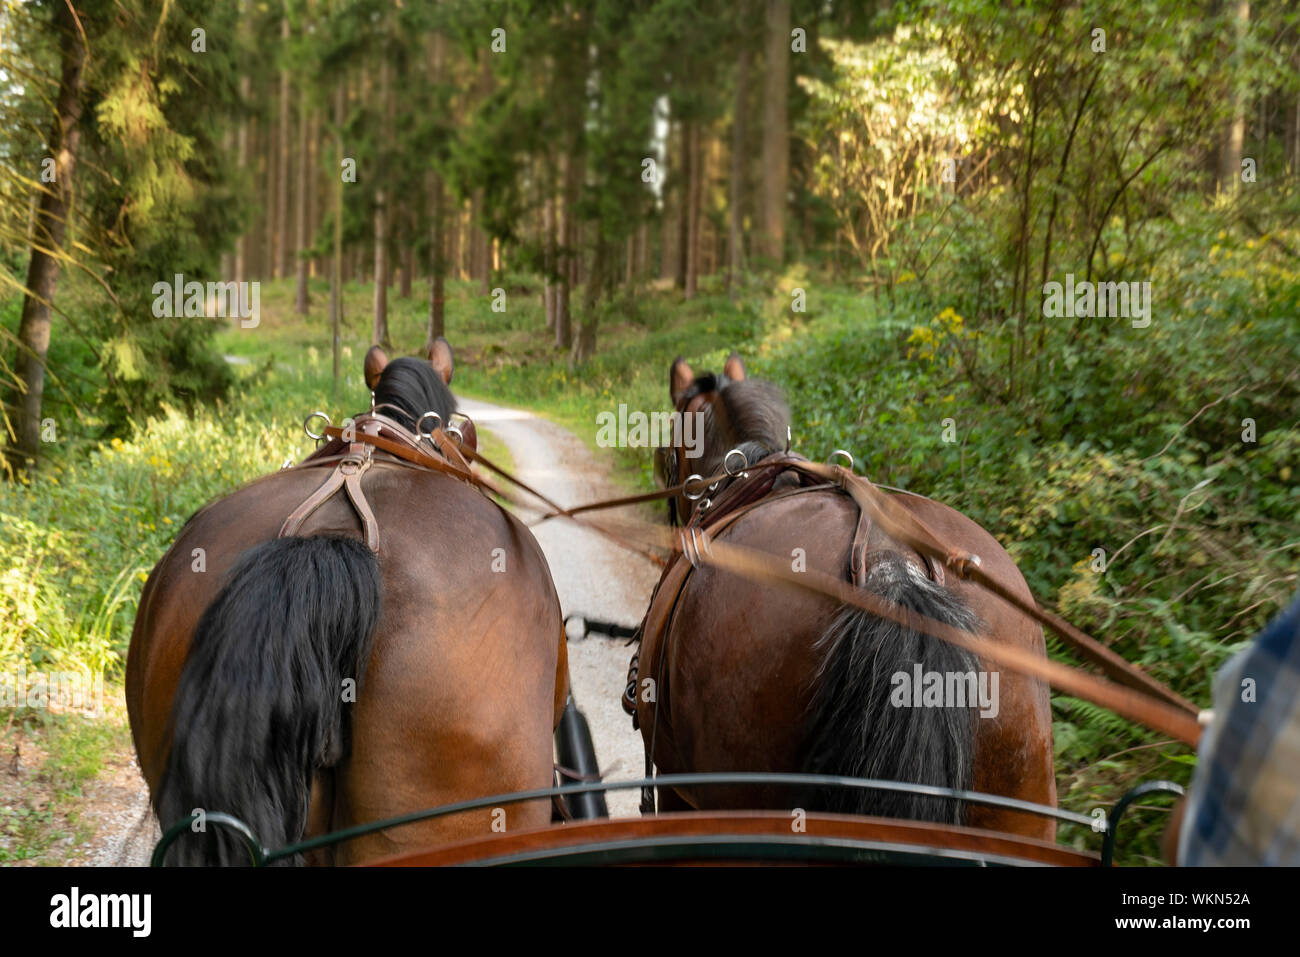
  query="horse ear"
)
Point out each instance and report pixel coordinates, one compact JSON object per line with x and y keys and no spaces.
{"x":680,"y":378}
{"x":734,"y":369}
{"x":441,"y":358}
{"x":376,"y":361}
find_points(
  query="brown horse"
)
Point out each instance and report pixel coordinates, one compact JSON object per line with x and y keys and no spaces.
{"x":737,"y":675}
{"x":306,"y":684}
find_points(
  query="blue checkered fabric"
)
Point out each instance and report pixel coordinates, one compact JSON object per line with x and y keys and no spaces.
{"x":1244,"y":804}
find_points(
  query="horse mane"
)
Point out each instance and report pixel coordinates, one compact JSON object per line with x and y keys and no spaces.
{"x":413,"y":387}
{"x":757,"y":420}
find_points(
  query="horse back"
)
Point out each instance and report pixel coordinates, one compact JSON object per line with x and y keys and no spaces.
{"x":468,"y":630}
{"x":735,"y":662}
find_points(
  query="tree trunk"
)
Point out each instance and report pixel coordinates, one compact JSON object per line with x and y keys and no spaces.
{"x":438,"y":264}
{"x":227,"y":259}
{"x":272,"y":190}
{"x":473,"y":247}
{"x":300,"y":206}
{"x":241,"y":244}
{"x":485,"y":256}
{"x":336,"y":270}
{"x":668,"y":241}
{"x":282,"y":245}
{"x":736,"y":197}
{"x":694,"y":191}
{"x":438,"y":224}
{"x":452,"y":211}
{"x":1292,"y":122}
{"x":668,"y":220}
{"x":577,"y":267}
{"x":584,"y":343}
{"x":408,"y":264}
{"x":48,"y":235}
{"x":379,"y":335}
{"x":776,"y":131}
{"x":320,"y":192}
{"x":568,"y":249}
{"x":395,"y":220}
{"x":684,"y":202}
{"x":548,"y":250}
{"x":549,"y":258}
{"x":1234,"y":134}
{"x":484,"y":236}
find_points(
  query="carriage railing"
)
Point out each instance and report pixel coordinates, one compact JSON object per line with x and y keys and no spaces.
{"x":261,"y":856}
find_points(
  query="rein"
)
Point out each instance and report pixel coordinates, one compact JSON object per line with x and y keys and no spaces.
{"x":1131,"y":692}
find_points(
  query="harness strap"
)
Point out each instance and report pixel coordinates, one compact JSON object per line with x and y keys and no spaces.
{"x":907,"y":528}
{"x":457,"y":467}
{"x":358,"y":455}
{"x":346,"y":474}
{"x":867,"y":538}
{"x":1134,"y":704}
{"x":858,"y":551}
{"x":352,"y":482}
{"x":557,"y":802}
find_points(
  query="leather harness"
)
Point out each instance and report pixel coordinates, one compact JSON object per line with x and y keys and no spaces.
{"x":739,"y":496}
{"x":774,"y":477}
{"x":352,"y":451}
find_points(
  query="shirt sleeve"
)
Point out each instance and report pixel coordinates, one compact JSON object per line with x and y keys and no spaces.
{"x":1244,"y":802}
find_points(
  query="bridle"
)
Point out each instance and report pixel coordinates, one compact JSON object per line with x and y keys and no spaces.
{"x":702,"y":394}
{"x":693,"y":402}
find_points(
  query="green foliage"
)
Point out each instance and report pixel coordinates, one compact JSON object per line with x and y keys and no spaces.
{"x":76,"y":545}
{"x":154,"y":197}
{"x":1201,"y":538}
{"x":881,"y":130}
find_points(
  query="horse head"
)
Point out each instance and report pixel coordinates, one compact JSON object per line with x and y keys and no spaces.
{"x":715,"y":414}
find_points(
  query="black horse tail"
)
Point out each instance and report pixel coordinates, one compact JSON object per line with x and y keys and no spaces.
{"x":858,"y":727}
{"x":260,"y":703}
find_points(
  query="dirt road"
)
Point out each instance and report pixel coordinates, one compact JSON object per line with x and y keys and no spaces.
{"x":592,"y":576}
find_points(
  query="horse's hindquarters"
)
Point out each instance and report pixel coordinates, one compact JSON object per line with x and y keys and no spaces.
{"x":739,"y":662}
{"x":457,"y":699}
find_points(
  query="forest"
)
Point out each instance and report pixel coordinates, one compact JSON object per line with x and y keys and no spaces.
{"x":1037,"y":260}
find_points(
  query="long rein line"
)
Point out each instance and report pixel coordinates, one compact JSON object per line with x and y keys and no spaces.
{"x":1140,"y":697}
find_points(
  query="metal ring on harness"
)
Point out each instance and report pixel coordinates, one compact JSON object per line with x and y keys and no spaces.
{"x":841,"y":452}
{"x":740,"y":469}
{"x":306,"y":425}
{"x":698,"y":495}
{"x":689,"y":549}
{"x":698,"y":546}
{"x":437,"y":424}
{"x":454,"y":430}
